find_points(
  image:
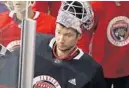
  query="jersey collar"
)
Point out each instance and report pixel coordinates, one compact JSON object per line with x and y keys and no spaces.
{"x":37,"y":13}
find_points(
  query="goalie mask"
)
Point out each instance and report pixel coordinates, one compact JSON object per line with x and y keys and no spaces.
{"x":76,"y":14}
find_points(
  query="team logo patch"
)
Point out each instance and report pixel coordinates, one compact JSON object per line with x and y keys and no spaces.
{"x":13,"y":45}
{"x":118,"y":31}
{"x":45,"y":81}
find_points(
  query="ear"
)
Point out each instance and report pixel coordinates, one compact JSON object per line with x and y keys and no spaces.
{"x":79,"y":36}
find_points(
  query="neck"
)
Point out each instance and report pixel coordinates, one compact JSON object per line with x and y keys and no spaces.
{"x":22,"y":15}
{"x":64,"y":53}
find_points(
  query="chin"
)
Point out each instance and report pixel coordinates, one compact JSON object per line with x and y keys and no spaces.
{"x":19,"y":10}
{"x":62,"y":49}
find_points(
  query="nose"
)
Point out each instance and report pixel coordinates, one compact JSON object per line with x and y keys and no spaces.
{"x":61,"y":39}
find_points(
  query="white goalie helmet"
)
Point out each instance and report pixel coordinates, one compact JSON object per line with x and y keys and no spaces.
{"x":76,"y":14}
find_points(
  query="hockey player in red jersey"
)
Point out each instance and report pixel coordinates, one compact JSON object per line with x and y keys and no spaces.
{"x":50,"y":7}
{"x":11,"y":21}
{"x":110,"y":46}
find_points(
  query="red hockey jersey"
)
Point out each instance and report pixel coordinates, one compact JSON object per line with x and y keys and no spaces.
{"x":47,"y":6}
{"x":110,"y":46}
{"x":10,"y":30}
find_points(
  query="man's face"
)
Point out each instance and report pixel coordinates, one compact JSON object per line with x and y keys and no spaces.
{"x":66,"y":38}
{"x":19,"y":6}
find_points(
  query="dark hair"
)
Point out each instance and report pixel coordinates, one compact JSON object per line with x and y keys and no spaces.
{"x":70,"y":27}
